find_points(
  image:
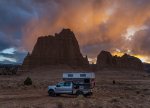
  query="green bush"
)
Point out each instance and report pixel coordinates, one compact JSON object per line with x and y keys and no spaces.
{"x":28,"y":81}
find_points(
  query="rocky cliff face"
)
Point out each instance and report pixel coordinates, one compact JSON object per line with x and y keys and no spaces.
{"x":106,"y":60}
{"x":62,"y":48}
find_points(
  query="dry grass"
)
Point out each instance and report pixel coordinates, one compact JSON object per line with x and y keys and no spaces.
{"x":131,"y":90}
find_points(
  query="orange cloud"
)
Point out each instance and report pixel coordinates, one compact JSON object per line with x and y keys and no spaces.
{"x":98,"y":24}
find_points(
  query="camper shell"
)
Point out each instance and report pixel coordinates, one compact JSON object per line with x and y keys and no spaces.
{"x":84,"y":79}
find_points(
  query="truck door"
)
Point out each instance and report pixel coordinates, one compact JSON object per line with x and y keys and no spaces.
{"x":68,"y":87}
{"x":59,"y":87}
{"x":64,"y":87}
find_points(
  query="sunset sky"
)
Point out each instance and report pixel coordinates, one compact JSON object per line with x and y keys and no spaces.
{"x":118,"y":26}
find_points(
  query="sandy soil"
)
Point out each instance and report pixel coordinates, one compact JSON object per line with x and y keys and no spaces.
{"x":132,"y":90}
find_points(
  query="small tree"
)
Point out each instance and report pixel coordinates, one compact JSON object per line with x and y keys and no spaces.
{"x":28,"y":81}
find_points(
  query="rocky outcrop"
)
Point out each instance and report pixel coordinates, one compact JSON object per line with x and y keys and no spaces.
{"x":106,"y":60}
{"x":129,"y":62}
{"x":60,"y":49}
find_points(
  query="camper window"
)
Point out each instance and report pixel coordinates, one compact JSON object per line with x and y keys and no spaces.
{"x":70,"y":75}
{"x":82,"y":75}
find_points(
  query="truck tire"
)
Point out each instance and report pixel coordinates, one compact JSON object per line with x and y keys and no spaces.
{"x":51,"y":93}
{"x":89,"y":94}
{"x":79,"y":93}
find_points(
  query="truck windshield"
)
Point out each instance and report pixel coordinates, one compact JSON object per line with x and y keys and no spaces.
{"x":60,"y":84}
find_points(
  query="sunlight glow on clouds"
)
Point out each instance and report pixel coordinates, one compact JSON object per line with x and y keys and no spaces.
{"x":132,"y":30}
{"x":92,"y":60}
{"x":143,"y":58}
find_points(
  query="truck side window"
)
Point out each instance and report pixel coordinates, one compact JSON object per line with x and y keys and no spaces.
{"x":67,"y":84}
{"x":70,"y":75}
{"x":60,"y":84}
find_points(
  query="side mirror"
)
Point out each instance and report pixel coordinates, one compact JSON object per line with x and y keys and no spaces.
{"x":57,"y":85}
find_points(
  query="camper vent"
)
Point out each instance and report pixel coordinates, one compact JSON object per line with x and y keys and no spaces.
{"x":82,"y":75}
{"x":70,"y":75}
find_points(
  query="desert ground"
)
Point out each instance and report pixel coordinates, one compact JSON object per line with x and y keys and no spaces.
{"x":131,"y":90}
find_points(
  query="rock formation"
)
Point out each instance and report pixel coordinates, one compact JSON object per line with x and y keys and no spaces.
{"x":106,"y":60}
{"x":63,"y":49}
{"x":60,"y":49}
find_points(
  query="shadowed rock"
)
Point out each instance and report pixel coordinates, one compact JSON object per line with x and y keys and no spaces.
{"x":60,"y":49}
{"x":106,"y":60}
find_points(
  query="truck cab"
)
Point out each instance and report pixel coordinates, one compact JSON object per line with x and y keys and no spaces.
{"x":74,"y":85}
{"x":62,"y":88}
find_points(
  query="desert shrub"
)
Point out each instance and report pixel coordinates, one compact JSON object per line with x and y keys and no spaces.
{"x":28,"y":81}
{"x":137,"y":92}
{"x":114,"y":82}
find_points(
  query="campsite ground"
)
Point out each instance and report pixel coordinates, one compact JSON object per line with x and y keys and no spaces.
{"x":131,"y":90}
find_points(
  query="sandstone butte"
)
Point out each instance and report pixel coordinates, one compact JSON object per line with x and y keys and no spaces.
{"x":61,"y":49}
{"x":106,"y":60}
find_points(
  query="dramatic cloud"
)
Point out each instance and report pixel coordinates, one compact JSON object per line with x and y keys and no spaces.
{"x":115,"y":25}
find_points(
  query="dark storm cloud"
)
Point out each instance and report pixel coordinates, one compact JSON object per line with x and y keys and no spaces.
{"x":141,"y":42}
{"x":13,"y":16}
{"x":3,"y":42}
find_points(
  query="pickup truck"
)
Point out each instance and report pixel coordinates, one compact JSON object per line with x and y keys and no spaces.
{"x":70,"y":88}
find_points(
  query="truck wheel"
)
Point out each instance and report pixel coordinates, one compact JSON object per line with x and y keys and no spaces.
{"x":79,"y":93}
{"x":51,"y":93}
{"x":89,"y":94}
{"x":57,"y":94}
{"x":86,"y":95}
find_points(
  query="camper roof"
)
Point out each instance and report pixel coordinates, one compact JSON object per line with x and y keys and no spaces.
{"x":90,"y":75}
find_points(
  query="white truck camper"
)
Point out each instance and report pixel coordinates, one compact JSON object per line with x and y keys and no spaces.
{"x":74,"y":83}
